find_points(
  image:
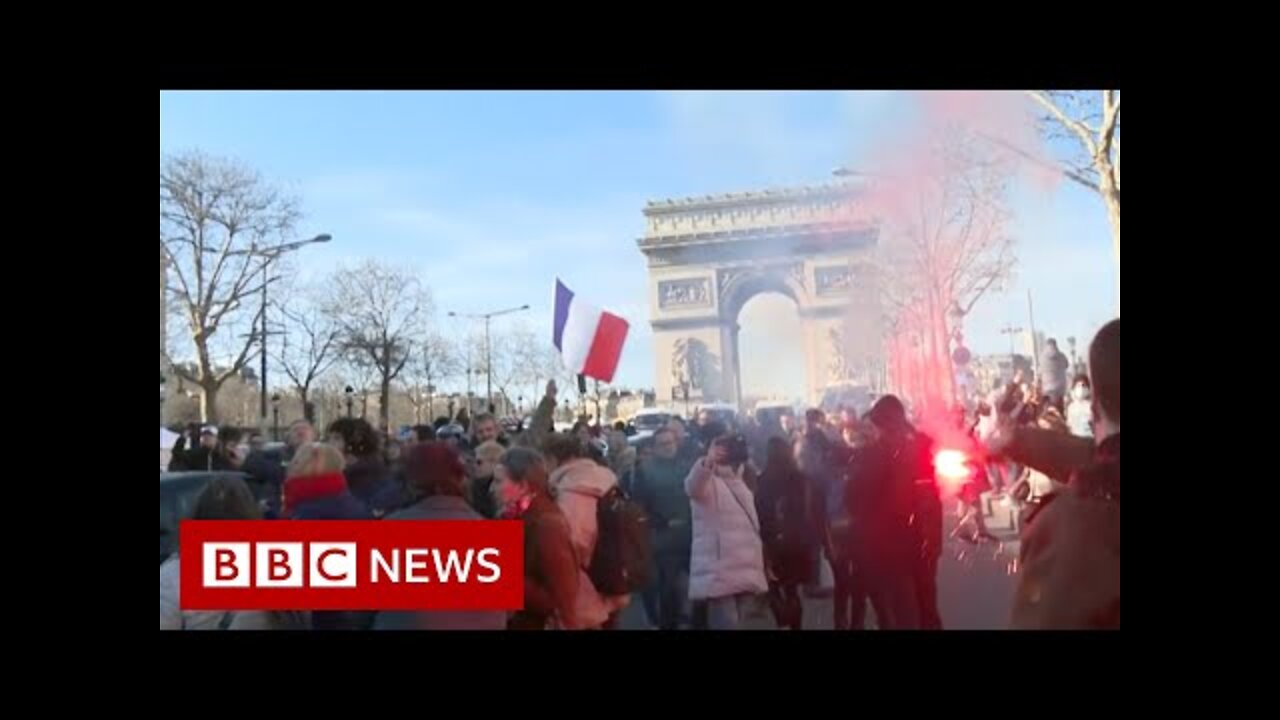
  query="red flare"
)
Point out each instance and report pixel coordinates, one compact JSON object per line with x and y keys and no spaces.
{"x":953,"y":468}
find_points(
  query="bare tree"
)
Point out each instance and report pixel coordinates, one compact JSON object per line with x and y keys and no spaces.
{"x":944,"y":245}
{"x":519,"y":359}
{"x":362,"y":375}
{"x":311,"y":344}
{"x":436,"y":359}
{"x":221,"y":232}
{"x":379,"y":310}
{"x":470,"y":369}
{"x":1090,"y":120}
{"x":1083,"y":126}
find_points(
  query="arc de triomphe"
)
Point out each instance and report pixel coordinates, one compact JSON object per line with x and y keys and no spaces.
{"x":708,"y":256}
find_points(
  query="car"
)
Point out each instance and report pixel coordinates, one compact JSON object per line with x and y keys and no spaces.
{"x":641,"y":442}
{"x":726,"y":415}
{"x":769,"y":414}
{"x":178,"y":493}
{"x":647,"y":422}
{"x":859,"y":398}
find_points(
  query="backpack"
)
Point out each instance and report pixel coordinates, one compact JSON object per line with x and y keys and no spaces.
{"x":621,"y":563}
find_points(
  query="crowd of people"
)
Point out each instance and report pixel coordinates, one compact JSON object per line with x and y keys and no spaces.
{"x":734,"y":512}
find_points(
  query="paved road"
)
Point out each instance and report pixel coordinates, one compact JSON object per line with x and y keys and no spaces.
{"x":975,"y":586}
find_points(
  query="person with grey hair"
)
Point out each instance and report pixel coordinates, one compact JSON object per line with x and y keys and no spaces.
{"x":522,"y":491}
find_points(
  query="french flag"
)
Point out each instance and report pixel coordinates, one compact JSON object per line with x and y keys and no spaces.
{"x":588,"y":338}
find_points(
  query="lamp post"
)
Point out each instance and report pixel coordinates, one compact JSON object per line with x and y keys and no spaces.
{"x":350,"y":392}
{"x":277,"y":251}
{"x":1012,"y":332}
{"x":275,"y":417}
{"x":488,"y":366}
{"x":260,"y":331}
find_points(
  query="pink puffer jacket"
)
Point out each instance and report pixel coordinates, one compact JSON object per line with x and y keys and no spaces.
{"x":578,"y":486}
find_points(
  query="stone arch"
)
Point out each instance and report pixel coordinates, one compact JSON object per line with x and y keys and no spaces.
{"x":709,"y":256}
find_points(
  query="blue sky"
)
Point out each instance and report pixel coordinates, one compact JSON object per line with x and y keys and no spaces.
{"x":491,"y":195}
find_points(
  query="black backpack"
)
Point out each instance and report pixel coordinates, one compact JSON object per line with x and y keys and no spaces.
{"x":621,"y":563}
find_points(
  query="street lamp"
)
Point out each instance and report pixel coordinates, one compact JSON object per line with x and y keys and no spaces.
{"x":273,"y":252}
{"x":1012,"y":332}
{"x":350,"y":392}
{"x":162,"y":381}
{"x":275,"y":417}
{"x":488,"y":366}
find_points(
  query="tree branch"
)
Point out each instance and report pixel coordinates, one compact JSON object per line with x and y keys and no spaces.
{"x":1066,"y":172}
{"x":1078,"y":127}
{"x":247,"y":354}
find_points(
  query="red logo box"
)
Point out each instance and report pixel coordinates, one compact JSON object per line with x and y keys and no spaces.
{"x":352,"y":565}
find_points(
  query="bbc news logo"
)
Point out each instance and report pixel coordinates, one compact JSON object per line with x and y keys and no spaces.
{"x":352,"y":565}
{"x":327,"y":564}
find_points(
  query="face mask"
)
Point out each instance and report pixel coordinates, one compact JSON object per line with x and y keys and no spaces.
{"x":1080,"y":393}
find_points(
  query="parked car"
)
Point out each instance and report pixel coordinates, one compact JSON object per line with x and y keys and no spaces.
{"x":646,"y":422}
{"x":722,"y":413}
{"x":178,"y":493}
{"x":769,"y":413}
{"x":847,"y":395}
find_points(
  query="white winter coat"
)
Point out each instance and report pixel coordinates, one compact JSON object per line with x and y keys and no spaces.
{"x":727,"y":555}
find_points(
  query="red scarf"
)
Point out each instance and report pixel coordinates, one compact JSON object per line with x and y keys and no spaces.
{"x":311,"y":487}
{"x":517,"y":509}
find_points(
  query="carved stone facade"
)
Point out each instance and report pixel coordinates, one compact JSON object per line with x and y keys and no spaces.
{"x":816,"y":205}
{"x":833,"y":279}
{"x":708,"y":256}
{"x":684,"y":293}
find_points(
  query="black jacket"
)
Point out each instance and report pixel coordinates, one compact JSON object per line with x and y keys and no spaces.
{"x":374,"y":484}
{"x":266,"y":478}
{"x":880,"y":497}
{"x":197,"y":458}
{"x":791,"y":517}
{"x":480,"y":497}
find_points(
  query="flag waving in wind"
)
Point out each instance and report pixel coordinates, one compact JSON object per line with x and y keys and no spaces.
{"x":589,"y":339}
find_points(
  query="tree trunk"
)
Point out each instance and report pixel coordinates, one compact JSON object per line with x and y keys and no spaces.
{"x":384,"y":409}
{"x":431,"y":400}
{"x":932,"y":365}
{"x":308,"y":410}
{"x":1111,"y":197}
{"x":209,"y":403}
